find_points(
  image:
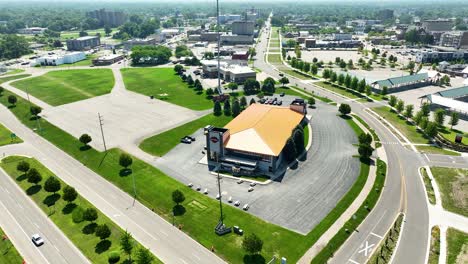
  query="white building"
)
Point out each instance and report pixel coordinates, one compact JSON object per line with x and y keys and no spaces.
{"x":342,"y":36}
{"x":32,"y":30}
{"x":55,"y":60}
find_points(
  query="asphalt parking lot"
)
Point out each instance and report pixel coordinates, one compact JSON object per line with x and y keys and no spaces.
{"x":304,"y":196}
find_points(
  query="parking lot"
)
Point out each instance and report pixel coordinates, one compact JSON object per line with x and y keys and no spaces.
{"x":299,"y":200}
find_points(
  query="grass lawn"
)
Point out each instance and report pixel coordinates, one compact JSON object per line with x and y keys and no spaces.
{"x":434,"y":247}
{"x":297,"y":74}
{"x":156,"y":81}
{"x":376,"y":97}
{"x":274,"y":58}
{"x":437,"y":150}
{"x":8,"y":252}
{"x":15,"y":71}
{"x":9,"y":78}
{"x":161,"y":144}
{"x":372,"y":131}
{"x":306,"y":135}
{"x":5,"y":137}
{"x":450,"y":134}
{"x":64,"y":35}
{"x":400,"y":123}
{"x":155,"y":188}
{"x":335,"y":88}
{"x":387,"y":246}
{"x":67,"y":86}
{"x":457,"y":246}
{"x":452,"y":184}
{"x":428,"y":185}
{"x":293,"y":92}
{"x":60,"y":212}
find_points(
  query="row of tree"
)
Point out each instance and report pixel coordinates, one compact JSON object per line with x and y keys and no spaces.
{"x":347,"y":81}
{"x":150,"y":55}
{"x":295,"y":145}
{"x":238,"y":105}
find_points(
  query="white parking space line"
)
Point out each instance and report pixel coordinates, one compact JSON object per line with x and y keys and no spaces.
{"x":379,"y":236}
{"x":352,"y":261}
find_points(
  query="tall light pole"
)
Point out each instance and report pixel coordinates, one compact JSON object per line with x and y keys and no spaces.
{"x":219,"y":191}
{"x":220,"y":91}
{"x":102,"y":131}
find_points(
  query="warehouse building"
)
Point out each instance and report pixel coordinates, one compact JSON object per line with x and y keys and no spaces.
{"x":402,"y":83}
{"x":108,"y":59}
{"x":55,"y":60}
{"x":83,"y":43}
{"x":253,"y":142}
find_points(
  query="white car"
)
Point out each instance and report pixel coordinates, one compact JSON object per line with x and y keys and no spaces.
{"x":230,"y":199}
{"x":252,"y":184}
{"x":246,"y":207}
{"x":206,"y":191}
{"x":240,"y":181}
{"x":237,"y":203}
{"x":190,"y":185}
{"x":251,"y":189}
{"x":37,"y":240}
{"x":218,"y":196}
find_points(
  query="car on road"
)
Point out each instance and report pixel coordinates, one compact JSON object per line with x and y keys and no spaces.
{"x":230,"y":199}
{"x":246,"y":207}
{"x":282,"y":94}
{"x":190,"y":185}
{"x":240,"y":181}
{"x":279,"y":102}
{"x":186,"y":140}
{"x":251,"y":189}
{"x":205,"y":191}
{"x":37,"y":240}
{"x":198,"y":188}
{"x":252,"y":184}
{"x":237,"y":203}
{"x":191,"y":138}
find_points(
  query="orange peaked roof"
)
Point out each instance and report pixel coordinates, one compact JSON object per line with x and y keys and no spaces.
{"x":262,"y":129}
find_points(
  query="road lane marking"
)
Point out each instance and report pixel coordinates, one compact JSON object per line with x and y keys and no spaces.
{"x":354,"y":262}
{"x":183,"y":261}
{"x":372,"y":233}
{"x":366,"y":248}
{"x":196,"y":256}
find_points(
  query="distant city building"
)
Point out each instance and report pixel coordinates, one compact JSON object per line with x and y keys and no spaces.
{"x":108,"y":59}
{"x":455,"y":39}
{"x":55,"y":60}
{"x":150,"y":40}
{"x":440,"y":55}
{"x":232,"y":39}
{"x":243,"y":28}
{"x":307,"y":26}
{"x":223,"y":19}
{"x":108,"y":18}
{"x":402,"y":83}
{"x":240,"y":55}
{"x":385,"y":14}
{"x":310,"y":43}
{"x":251,"y":16}
{"x":437,"y":25}
{"x":170,"y":32}
{"x":83,"y":43}
{"x":32,"y":30}
{"x":342,"y":36}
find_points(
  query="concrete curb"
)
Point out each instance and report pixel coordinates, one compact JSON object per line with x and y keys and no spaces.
{"x":399,"y":237}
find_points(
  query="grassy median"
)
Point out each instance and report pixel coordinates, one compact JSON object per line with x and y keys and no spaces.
{"x":457,"y":246}
{"x":434,"y":247}
{"x":62,"y":212}
{"x":8,"y":252}
{"x":6,"y":137}
{"x":428,"y":184}
{"x":452,"y":185}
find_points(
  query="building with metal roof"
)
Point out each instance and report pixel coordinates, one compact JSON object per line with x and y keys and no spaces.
{"x":403,"y":83}
{"x":253,"y":142}
{"x":455,"y":99}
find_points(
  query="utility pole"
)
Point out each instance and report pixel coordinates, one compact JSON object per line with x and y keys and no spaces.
{"x":220,"y":91}
{"x":219,"y":191}
{"x":101,"y":120}
{"x":38,"y":124}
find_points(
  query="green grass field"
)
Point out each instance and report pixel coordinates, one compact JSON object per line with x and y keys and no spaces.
{"x":60,"y":212}
{"x":68,"y":86}
{"x":297,"y":74}
{"x":452,"y":184}
{"x":375,"y":137}
{"x":15,"y":71}
{"x":9,"y":78}
{"x":161,"y":144}
{"x":274,"y":58}
{"x":64,"y":35}
{"x":157,"y":81}
{"x":457,"y":246}
{"x":335,"y":88}
{"x":5,"y":137}
{"x":450,"y":135}
{"x":154,"y":191}
{"x":437,"y":150}
{"x":434,"y":247}
{"x":428,"y":185}
{"x":8,"y":252}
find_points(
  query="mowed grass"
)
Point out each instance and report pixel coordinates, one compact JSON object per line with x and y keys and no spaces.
{"x":14,"y":77}
{"x":297,"y":74}
{"x":428,"y":184}
{"x":68,"y":86}
{"x":453,"y":186}
{"x":160,"y":81}
{"x":60,"y":212}
{"x":437,"y":150}
{"x":5,"y":137}
{"x":335,"y":88}
{"x":457,"y":246}
{"x":274,"y":58}
{"x":8,"y":252}
{"x":15,"y":71}
{"x":161,"y":144}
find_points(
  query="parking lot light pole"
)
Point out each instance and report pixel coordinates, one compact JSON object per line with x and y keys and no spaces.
{"x":219,"y":191}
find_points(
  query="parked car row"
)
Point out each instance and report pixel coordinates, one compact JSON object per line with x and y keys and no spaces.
{"x":229,"y":200}
{"x":187,"y":139}
{"x":272,"y":101}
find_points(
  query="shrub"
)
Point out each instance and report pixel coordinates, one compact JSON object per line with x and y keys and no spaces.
{"x":78,"y":215}
{"x":114,"y":256}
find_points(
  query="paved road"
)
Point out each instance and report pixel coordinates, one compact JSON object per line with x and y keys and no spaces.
{"x":403,"y":190}
{"x":20,"y":218}
{"x":165,"y":241}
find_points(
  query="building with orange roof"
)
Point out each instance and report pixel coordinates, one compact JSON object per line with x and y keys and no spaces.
{"x":253,"y":142}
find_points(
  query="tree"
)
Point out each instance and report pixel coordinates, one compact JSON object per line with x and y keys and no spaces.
{"x":52,"y":185}
{"x":227,"y":108}
{"x":314,"y":69}
{"x":217,"y":108}
{"x":57,"y":43}
{"x":107,"y":30}
{"x":125,"y":160}
{"x":365,"y":138}
{"x":362,"y":86}
{"x":384,"y":91}
{"x":85,"y":139}
{"x":354,"y":83}
{"x":284,"y":80}
{"x":190,"y":80}
{"x":341,"y":79}
{"x":344,"y":109}
{"x":439,"y":116}
{"x":144,"y":256}
{"x":269,"y":85}
{"x":126,"y":244}
{"x":34,"y":176}
{"x":392,"y":101}
{"x":347,"y":81}
{"x":252,"y":101}
{"x":23,"y":166}
{"x":233,"y":86}
{"x":290,"y":150}
{"x":69,"y":194}
{"x":299,"y":144}
{"x":454,"y":117}
{"x":365,"y":150}
{"x":409,"y":111}
{"x":418,"y":117}
{"x":424,"y":122}
{"x":368,"y":90}
{"x":400,"y":106}
{"x":178,"y":197}
{"x":251,"y":86}
{"x":12,"y":99}
{"x":252,"y":244}
{"x":342,"y":64}
{"x":243,"y":102}
{"x":103,"y":231}
{"x":90,"y":215}
{"x":333,"y":76}
{"x":431,"y":129}
{"x":179,"y":69}
{"x":236,"y":109}
{"x":209,"y":93}
{"x":426,"y":109}
{"x":83,"y":34}
{"x":311,"y":101}
{"x":35,"y":110}
{"x":306,"y":67}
